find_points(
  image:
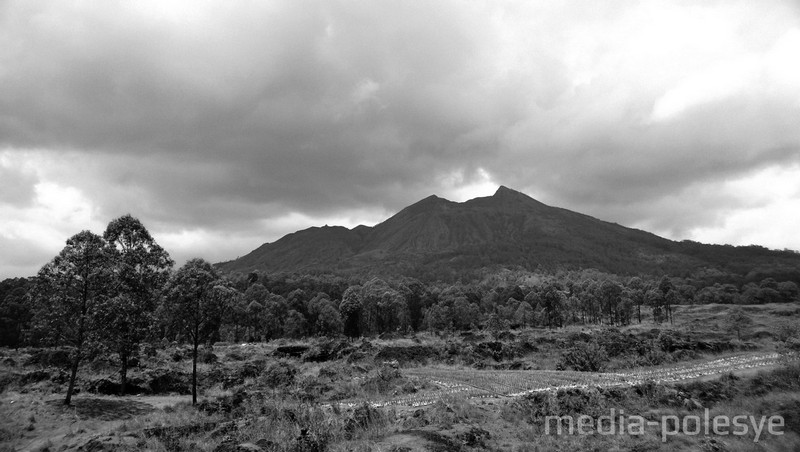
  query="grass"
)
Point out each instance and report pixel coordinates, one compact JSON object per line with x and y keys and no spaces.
{"x":289,"y":420}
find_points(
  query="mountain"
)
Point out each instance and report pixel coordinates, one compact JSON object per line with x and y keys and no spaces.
{"x":437,"y":238}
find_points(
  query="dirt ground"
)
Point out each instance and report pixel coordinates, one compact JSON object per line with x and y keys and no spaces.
{"x":32,"y":422}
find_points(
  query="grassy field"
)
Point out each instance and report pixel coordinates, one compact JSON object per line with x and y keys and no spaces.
{"x":475,"y":391}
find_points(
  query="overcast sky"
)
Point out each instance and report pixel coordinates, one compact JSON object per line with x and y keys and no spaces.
{"x":223,"y":125}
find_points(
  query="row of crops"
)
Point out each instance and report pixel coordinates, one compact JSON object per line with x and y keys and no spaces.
{"x":514,"y":383}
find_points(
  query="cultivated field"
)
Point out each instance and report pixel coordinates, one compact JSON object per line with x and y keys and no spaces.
{"x":480,"y":384}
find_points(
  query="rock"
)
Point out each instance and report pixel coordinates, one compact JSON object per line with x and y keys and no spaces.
{"x":243,"y":447}
{"x":406,"y":354}
{"x":714,"y":445}
{"x":475,"y":437}
{"x":309,"y":442}
{"x":266,"y":444}
{"x":111,"y":443}
{"x":363,"y":416}
{"x":108,"y":387}
{"x":294,"y":351}
{"x":416,"y":420}
{"x":208,"y":357}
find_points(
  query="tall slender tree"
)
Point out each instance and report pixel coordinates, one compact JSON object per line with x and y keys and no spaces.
{"x":69,"y":296}
{"x":194,"y":303}
{"x":668,"y":292}
{"x":140,"y":269}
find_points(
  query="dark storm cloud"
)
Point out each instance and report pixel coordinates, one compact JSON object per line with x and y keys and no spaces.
{"x":218,"y":115}
{"x":310,"y":107}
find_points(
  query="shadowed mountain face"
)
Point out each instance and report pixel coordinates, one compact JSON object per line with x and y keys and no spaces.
{"x":437,"y":237}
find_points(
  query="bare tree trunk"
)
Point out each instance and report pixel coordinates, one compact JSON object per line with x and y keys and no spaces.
{"x":194,"y":373}
{"x":123,"y":374}
{"x":78,"y":349}
{"x":73,"y":374}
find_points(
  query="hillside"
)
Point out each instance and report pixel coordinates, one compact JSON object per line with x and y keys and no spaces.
{"x":437,"y":238}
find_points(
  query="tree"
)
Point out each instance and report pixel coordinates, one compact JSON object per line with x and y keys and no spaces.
{"x":15,"y":311}
{"x":636,"y":292}
{"x":656,"y":301}
{"x":668,"y":292}
{"x":738,"y":320}
{"x":465,"y":314}
{"x":382,"y":308}
{"x":393,"y":311}
{"x":788,"y":291}
{"x":194,"y":304}
{"x":524,"y":314}
{"x":275,"y":311}
{"x":69,"y":294}
{"x":551,"y":299}
{"x":295,"y":324}
{"x":140,"y":268}
{"x":254,"y":300}
{"x":610,"y":295}
{"x":438,"y":318}
{"x":496,"y":326}
{"x":350,"y":309}
{"x":329,"y":322}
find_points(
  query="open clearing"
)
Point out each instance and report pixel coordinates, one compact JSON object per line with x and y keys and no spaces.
{"x":473,"y":383}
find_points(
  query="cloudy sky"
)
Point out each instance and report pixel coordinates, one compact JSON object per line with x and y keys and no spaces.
{"x":226,"y":124}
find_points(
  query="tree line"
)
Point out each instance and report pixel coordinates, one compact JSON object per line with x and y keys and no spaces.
{"x":110,"y":293}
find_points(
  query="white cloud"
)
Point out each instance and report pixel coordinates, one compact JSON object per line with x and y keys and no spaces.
{"x":33,"y":234}
{"x":461,"y":187}
{"x":715,"y":84}
{"x":783,"y":65}
{"x":769,"y":213}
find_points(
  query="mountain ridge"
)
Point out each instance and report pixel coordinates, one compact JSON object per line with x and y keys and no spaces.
{"x":439,"y":238}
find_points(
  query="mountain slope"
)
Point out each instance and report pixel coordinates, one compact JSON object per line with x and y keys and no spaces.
{"x":437,"y":237}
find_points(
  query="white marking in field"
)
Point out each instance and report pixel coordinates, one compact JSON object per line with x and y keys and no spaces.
{"x":482,"y":383}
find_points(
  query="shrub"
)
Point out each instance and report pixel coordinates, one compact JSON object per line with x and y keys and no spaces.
{"x":786,"y":330}
{"x":615,"y":342}
{"x":279,"y":375}
{"x":584,"y":357}
{"x":207,"y":357}
{"x":55,"y":357}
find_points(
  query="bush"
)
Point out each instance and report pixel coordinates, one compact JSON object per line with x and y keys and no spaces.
{"x":388,"y":379}
{"x":177,"y":355}
{"x":149,"y":349}
{"x":616,"y":343}
{"x":363,"y":418}
{"x":166,"y":381}
{"x":207,"y":357}
{"x":278,"y":375}
{"x":584,"y":357}
{"x":786,"y":330}
{"x":55,"y":357}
